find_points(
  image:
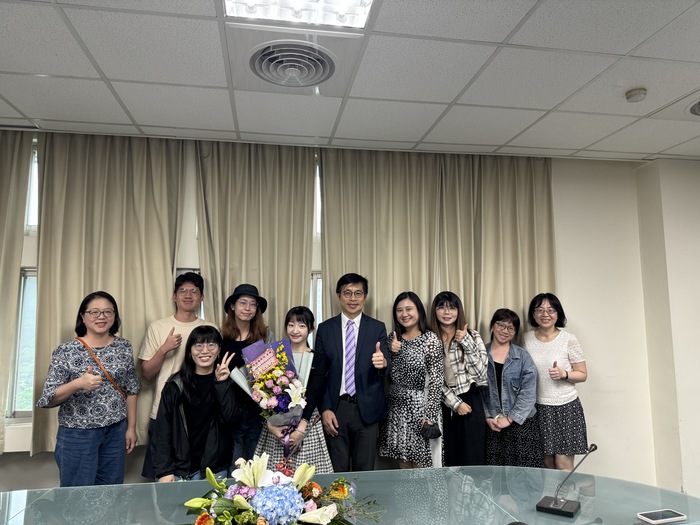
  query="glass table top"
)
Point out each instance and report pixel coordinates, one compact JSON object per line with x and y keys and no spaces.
{"x":466,"y":495}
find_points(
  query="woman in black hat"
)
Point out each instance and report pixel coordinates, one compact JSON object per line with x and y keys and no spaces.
{"x":243,"y":326}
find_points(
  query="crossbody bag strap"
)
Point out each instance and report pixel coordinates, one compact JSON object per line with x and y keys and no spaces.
{"x":99,"y":363}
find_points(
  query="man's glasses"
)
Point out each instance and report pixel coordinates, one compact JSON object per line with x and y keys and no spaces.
{"x":194,"y":292}
{"x":357,"y":294}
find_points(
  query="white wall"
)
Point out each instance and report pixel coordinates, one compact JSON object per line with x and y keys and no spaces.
{"x":600,"y":286}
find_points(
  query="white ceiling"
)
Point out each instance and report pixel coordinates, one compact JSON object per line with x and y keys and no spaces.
{"x":517,"y":77}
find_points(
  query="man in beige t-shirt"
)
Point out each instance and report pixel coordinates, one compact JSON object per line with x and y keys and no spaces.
{"x":163,"y":348}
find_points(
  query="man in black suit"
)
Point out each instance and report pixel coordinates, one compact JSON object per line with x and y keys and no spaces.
{"x":351,"y":351}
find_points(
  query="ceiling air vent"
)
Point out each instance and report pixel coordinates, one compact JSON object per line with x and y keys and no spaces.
{"x":292,"y":64}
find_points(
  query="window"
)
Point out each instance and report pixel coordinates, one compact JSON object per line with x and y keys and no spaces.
{"x":22,"y":382}
{"x":31,"y":223}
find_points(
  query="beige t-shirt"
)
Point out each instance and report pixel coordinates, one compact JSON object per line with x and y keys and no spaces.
{"x":155,"y":336}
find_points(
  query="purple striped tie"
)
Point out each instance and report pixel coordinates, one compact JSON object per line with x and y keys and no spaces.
{"x":350,"y":358}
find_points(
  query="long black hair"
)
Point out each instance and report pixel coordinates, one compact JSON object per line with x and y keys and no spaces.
{"x":201,"y":334}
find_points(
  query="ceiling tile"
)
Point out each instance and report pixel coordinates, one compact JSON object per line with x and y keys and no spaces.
{"x":372,"y":144}
{"x":664,"y":81}
{"x":390,"y":69}
{"x":545,"y":78}
{"x":692,"y":147}
{"x":387,"y":120}
{"x":597,"y":25}
{"x":33,"y":39}
{"x":535,"y":152}
{"x":205,"y":134}
{"x":477,"y":125}
{"x":680,"y":110}
{"x":88,"y":127}
{"x":570,"y":130}
{"x":152,"y":48}
{"x":482,"y":20}
{"x":455,"y":148}
{"x":5,"y":109}
{"x":177,"y":106}
{"x":62,"y":99}
{"x":183,"y":7}
{"x":284,"y":114}
{"x":678,"y":41}
{"x":650,"y":136}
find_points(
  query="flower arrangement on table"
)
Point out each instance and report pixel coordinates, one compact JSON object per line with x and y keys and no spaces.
{"x":272,"y":382}
{"x":263,"y":497}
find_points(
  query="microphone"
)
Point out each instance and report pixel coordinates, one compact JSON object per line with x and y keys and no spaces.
{"x":560,"y":506}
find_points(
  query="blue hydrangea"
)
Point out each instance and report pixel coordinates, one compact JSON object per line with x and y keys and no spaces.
{"x":278,"y":504}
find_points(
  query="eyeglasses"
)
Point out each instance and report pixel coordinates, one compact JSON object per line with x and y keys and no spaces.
{"x":212,"y":347}
{"x":95,"y":314}
{"x":357,"y":294}
{"x":194,"y":292}
{"x":542,"y":311}
{"x":506,"y":328}
{"x":447,"y":308}
{"x":245,"y":304}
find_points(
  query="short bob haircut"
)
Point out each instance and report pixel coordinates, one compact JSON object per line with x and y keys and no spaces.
{"x":351,"y":278}
{"x":422,"y":319}
{"x":505,"y":315}
{"x":553,"y":302}
{"x":300,"y":314}
{"x":81,"y":329}
{"x":189,"y":277}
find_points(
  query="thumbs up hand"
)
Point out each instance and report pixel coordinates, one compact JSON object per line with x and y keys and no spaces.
{"x":172,"y":342}
{"x":90,"y":380}
{"x":395,"y":345}
{"x":555,"y":373}
{"x":461,"y":334}
{"x":378,"y":359}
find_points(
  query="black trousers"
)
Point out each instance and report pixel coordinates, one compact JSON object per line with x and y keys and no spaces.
{"x":355,"y":446}
{"x":464,"y":437}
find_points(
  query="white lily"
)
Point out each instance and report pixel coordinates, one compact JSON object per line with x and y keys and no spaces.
{"x":324,"y":515}
{"x":251,"y":472}
{"x":296,"y":394}
{"x":303,"y":475}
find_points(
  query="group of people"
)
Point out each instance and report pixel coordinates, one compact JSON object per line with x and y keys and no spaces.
{"x":431,"y":393}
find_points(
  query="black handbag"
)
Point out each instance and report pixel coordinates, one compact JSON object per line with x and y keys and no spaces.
{"x":430,"y":430}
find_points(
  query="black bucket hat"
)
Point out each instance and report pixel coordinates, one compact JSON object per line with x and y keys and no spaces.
{"x":245,"y":289}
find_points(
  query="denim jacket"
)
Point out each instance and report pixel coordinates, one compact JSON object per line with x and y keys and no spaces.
{"x":518,"y":386}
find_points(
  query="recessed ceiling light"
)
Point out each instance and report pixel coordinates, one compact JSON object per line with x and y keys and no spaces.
{"x":695,"y":109}
{"x":340,"y":13}
{"x":636,"y":94}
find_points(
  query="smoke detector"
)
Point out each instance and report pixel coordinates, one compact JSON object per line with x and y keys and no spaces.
{"x":292,"y":64}
{"x":636,"y":94}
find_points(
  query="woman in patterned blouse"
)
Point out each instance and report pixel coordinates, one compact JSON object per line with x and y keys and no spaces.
{"x":97,"y":417}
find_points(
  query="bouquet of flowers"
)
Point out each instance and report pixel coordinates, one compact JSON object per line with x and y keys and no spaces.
{"x":263,"y":497}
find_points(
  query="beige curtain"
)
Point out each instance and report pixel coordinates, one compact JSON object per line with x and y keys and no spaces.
{"x":108,"y":221}
{"x":380,"y":213}
{"x":255,"y":224}
{"x":476,"y":225}
{"x":497,"y":235}
{"x":15,"y":160}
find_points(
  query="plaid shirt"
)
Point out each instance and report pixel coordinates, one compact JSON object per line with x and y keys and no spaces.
{"x":469,"y":364}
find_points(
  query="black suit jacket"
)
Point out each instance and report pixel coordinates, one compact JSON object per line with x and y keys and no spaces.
{"x":369,"y":381}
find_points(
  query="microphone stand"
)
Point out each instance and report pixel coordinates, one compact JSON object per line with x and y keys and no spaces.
{"x":561,"y":506}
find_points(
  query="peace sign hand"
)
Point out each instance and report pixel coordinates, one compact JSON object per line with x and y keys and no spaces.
{"x":222,"y":371}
